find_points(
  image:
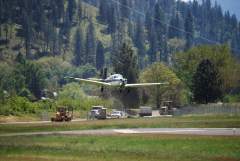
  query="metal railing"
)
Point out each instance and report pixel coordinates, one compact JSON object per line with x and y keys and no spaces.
{"x":232,"y":109}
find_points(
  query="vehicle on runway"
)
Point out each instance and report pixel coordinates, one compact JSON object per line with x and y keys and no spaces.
{"x":98,"y":112}
{"x":117,"y":114}
{"x":145,"y":111}
{"x":166,"y":108}
{"x":63,"y":114}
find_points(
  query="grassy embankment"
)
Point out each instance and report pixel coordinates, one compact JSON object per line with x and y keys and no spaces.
{"x":175,"y":122}
{"x":118,"y":148}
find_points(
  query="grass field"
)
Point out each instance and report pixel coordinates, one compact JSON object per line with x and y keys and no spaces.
{"x":120,"y":148}
{"x":175,"y":122}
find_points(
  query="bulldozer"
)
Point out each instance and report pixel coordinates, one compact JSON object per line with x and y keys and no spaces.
{"x":63,"y":114}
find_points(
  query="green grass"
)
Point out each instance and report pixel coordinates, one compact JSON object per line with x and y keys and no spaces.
{"x":175,"y":122}
{"x":119,"y":148}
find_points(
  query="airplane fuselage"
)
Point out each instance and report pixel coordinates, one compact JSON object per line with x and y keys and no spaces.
{"x":116,"y":80}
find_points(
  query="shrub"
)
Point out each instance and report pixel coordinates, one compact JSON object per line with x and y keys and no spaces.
{"x":16,"y":105}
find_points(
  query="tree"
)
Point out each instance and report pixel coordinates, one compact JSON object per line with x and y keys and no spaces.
{"x":125,"y":8}
{"x":27,"y":27}
{"x":219,"y":55}
{"x":71,"y":9}
{"x":64,"y":32}
{"x":125,"y":63}
{"x":112,"y":20}
{"x":35,"y":79}
{"x":103,"y":11}
{"x":79,"y":11}
{"x":78,"y":48}
{"x":189,"y":30}
{"x":158,"y":72}
{"x":28,"y":75}
{"x":100,"y":56}
{"x":140,"y":41}
{"x":207,"y":83}
{"x":91,"y":45}
{"x":153,"y":49}
{"x":175,"y":25}
{"x":161,"y":30}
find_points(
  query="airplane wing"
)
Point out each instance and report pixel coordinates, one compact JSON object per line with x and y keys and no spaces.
{"x":89,"y":81}
{"x":145,"y":84}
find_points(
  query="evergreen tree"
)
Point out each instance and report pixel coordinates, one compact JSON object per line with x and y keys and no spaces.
{"x":91,"y":45}
{"x":28,"y":32}
{"x":112,"y":20}
{"x":34,"y":79}
{"x":175,"y":25}
{"x":28,"y":75}
{"x":71,"y":9}
{"x":140,"y":41}
{"x":125,"y":63}
{"x":103,"y":11}
{"x":100,"y":56}
{"x":206,"y":83}
{"x":189,"y":30}
{"x":160,"y":27}
{"x":153,"y":49}
{"x":65,"y":32}
{"x":78,"y":48}
{"x":79,"y":11}
{"x":125,"y":8}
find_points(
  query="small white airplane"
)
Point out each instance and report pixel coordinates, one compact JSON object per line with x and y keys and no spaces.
{"x":115,"y":80}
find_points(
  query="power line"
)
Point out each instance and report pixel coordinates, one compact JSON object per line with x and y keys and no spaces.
{"x":169,"y":25}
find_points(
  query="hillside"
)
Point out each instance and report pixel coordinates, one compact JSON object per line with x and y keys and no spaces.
{"x":43,"y":41}
{"x":231,"y":5}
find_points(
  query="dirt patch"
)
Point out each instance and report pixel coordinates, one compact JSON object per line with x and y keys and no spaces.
{"x":6,"y":119}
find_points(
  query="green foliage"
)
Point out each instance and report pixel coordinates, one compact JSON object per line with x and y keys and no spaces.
{"x":90,"y":45}
{"x":72,"y":95}
{"x":161,"y":73}
{"x":16,"y":105}
{"x":100,"y":59}
{"x":206,"y":83}
{"x":55,"y":70}
{"x":186,"y":64}
{"x":29,"y":75}
{"x":232,"y":98}
{"x":85,"y":71}
{"x":6,"y":77}
{"x":125,"y":63}
{"x":78,"y":48}
{"x":120,"y":147}
{"x":189,"y":29}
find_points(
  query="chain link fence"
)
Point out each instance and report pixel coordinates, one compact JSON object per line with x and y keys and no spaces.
{"x":230,"y":109}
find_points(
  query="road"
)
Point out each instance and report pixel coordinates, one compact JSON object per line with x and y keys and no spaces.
{"x":175,"y":131}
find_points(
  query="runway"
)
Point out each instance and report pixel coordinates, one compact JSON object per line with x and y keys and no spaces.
{"x":160,"y":131}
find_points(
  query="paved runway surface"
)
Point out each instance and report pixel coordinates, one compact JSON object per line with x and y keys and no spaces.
{"x":175,"y":131}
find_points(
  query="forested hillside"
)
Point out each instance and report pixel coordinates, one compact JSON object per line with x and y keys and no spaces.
{"x":50,"y":28}
{"x":41,"y":41}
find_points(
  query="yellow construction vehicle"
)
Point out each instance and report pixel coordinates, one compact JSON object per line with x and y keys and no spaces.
{"x":63,"y":114}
